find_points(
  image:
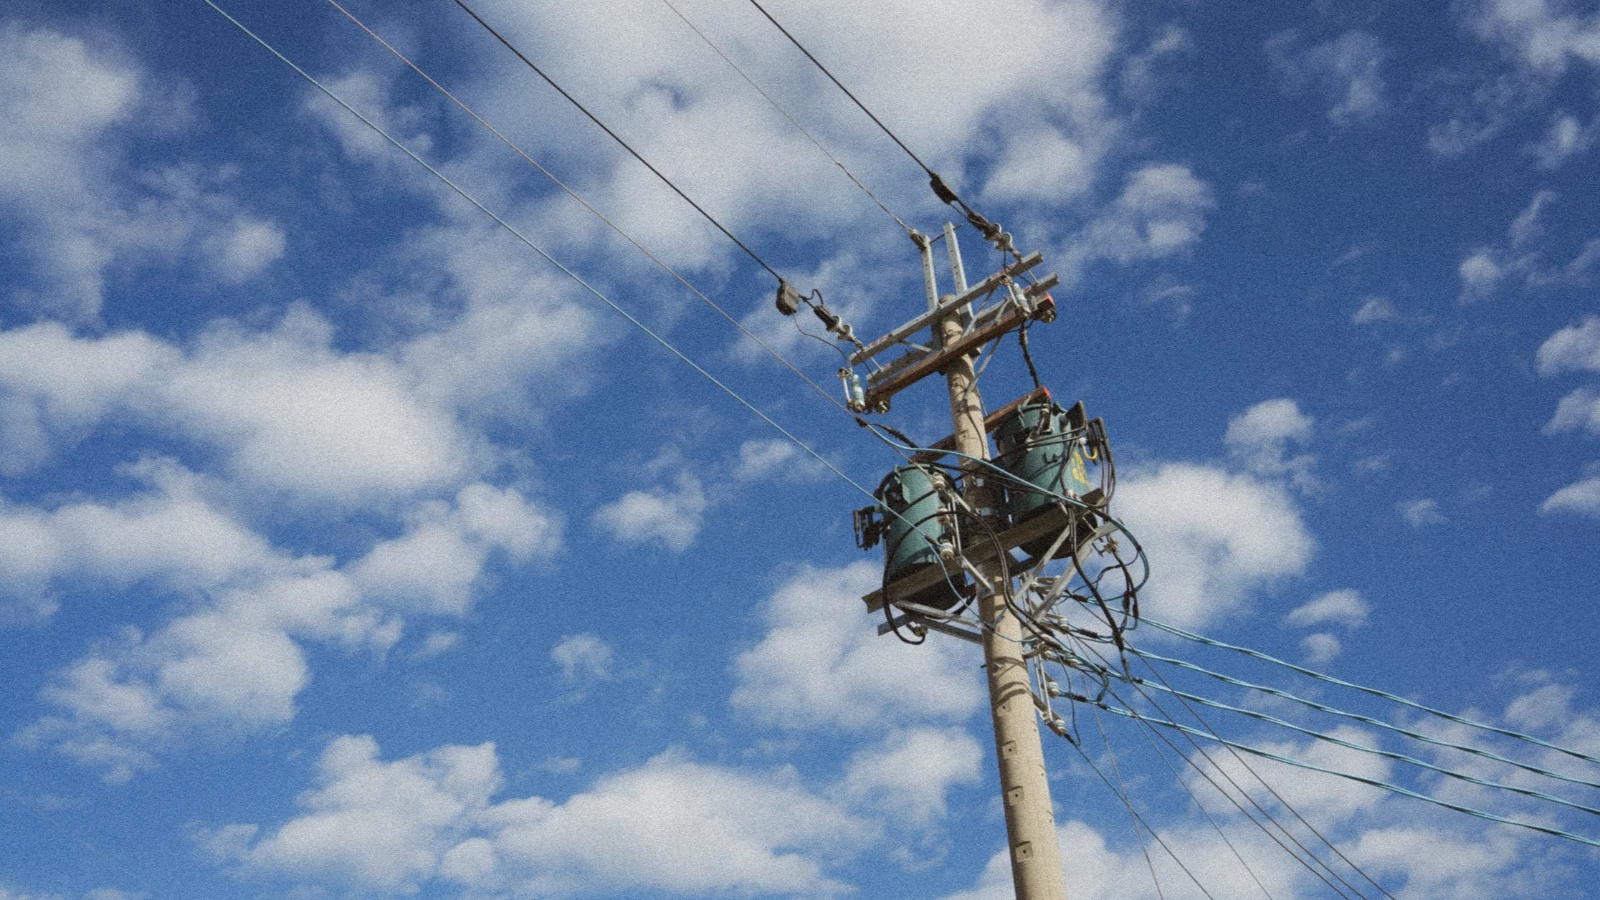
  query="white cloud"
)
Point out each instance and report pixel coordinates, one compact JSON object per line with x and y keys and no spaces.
{"x":1260,"y":436}
{"x":1565,"y":139}
{"x":1042,"y":166}
{"x":765,"y":458}
{"x":1527,"y":227}
{"x":1420,"y":512}
{"x":236,"y":660}
{"x":1544,"y":37}
{"x":1214,"y":539}
{"x":584,"y":656}
{"x":1345,"y":70}
{"x":1480,"y":275}
{"x":381,"y":824}
{"x":296,"y":415}
{"x":1582,"y":498}
{"x":55,"y":387}
{"x":669,"y":516}
{"x":1321,"y":648}
{"x":1575,"y":348}
{"x":1338,"y":607}
{"x":908,"y":775}
{"x":1161,"y":211}
{"x":671,"y":824}
{"x":678,"y":826}
{"x":822,"y":664}
{"x":65,"y":104}
{"x":1579,"y":410}
{"x":1374,"y":309}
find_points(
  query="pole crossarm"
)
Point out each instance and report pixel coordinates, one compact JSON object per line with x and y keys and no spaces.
{"x":917,"y":365}
{"x":946,"y":306}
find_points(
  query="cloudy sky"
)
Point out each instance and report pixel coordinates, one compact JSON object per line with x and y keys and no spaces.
{"x":348,"y":548}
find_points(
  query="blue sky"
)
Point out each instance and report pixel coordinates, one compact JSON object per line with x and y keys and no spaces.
{"x":349,"y":549}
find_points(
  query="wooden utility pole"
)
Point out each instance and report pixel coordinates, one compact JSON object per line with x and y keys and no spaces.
{"x":958,"y":334}
{"x":1030,"y":819}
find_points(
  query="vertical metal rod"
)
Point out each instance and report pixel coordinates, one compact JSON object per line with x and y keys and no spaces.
{"x":957,"y":271}
{"x":928,"y":278}
{"x":1036,"y":870}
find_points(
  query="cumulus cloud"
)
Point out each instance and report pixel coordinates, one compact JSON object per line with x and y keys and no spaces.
{"x":908,"y":775}
{"x":1577,"y":411}
{"x":1575,"y":348}
{"x":584,"y":656}
{"x":669,"y":516}
{"x":1374,"y":309}
{"x":1214,"y":538}
{"x":55,"y":387}
{"x":1160,"y":212}
{"x":1260,"y":436}
{"x":1420,"y":512}
{"x":1345,"y":70}
{"x":1565,"y":139}
{"x":65,"y":103}
{"x":1581,"y":497}
{"x":236,"y":661}
{"x":672,"y":825}
{"x":775,"y":458}
{"x":1544,"y":37}
{"x":1335,"y":607}
{"x":821,"y":663}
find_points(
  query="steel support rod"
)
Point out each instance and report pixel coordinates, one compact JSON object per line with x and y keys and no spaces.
{"x":1025,"y":787}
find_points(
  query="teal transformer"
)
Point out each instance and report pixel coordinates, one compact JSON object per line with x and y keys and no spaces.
{"x":917,"y":518}
{"x":1043,"y":445}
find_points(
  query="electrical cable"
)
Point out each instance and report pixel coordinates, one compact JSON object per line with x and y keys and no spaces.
{"x":1460,"y":720}
{"x":824,"y":70}
{"x":536,"y":249}
{"x":1127,"y":801}
{"x":779,"y":107}
{"x":1151,"y":731}
{"x":1264,"y":783}
{"x":1141,"y":820}
{"x":1392,"y":788}
{"x":1362,"y":748}
{"x":614,"y":136}
{"x":1368,"y":720}
{"x":1178,"y":777}
{"x":1279,"y":797}
{"x":600,"y":215}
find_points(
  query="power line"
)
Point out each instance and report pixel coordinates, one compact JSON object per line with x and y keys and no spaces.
{"x":1460,"y":720}
{"x":1253,"y":802}
{"x":779,"y":107}
{"x":1393,"y":788}
{"x":1280,"y":798}
{"x":1368,"y":720}
{"x":591,"y":208}
{"x":824,"y":69}
{"x":535,"y":248}
{"x":1362,"y":748}
{"x":614,"y":136}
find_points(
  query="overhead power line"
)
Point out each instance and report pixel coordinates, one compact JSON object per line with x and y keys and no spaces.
{"x":1392,"y":788}
{"x":792,"y":120}
{"x":1366,"y":720}
{"x":618,"y":138}
{"x":824,"y":69}
{"x":597,"y":293}
{"x":1451,"y":717}
{"x":593,"y":209}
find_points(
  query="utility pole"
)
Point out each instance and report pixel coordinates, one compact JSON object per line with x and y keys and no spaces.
{"x":1036,"y":869}
{"x":958,"y":335}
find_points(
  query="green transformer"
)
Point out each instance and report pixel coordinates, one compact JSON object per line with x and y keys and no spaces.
{"x":1042,"y":445}
{"x":917,"y":518}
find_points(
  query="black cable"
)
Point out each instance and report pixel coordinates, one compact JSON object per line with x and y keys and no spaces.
{"x":1027,"y":355}
{"x":614,"y":136}
{"x":824,"y":69}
